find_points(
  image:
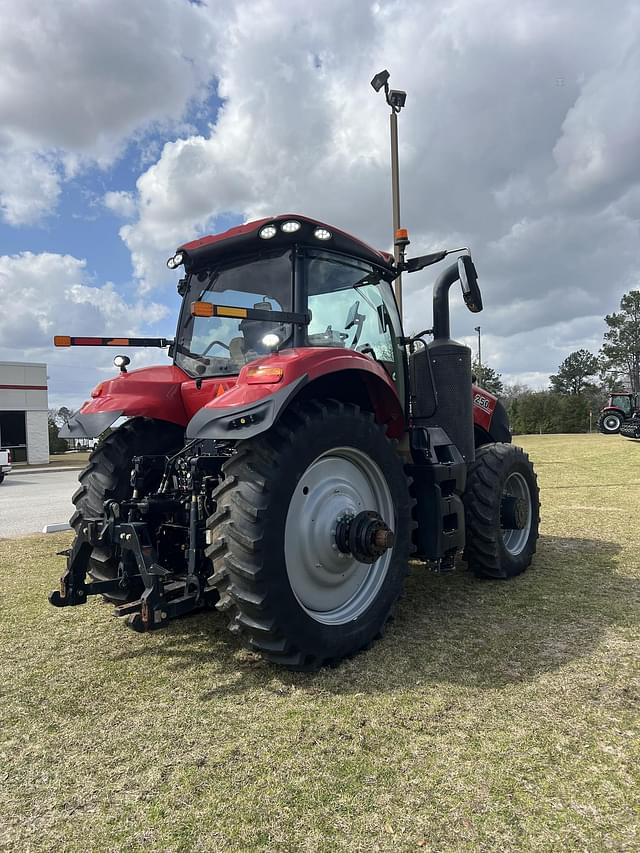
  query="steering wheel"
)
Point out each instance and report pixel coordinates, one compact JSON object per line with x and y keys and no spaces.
{"x":213,"y":343}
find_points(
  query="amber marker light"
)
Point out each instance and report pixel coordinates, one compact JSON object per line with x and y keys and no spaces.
{"x":264,"y":375}
{"x":228,"y":311}
{"x":201,"y":309}
{"x":62,"y":341}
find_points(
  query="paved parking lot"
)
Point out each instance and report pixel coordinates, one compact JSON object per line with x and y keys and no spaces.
{"x":30,"y":499}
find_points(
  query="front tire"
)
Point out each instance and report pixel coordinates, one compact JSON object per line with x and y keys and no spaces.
{"x":502,"y":511}
{"x":295,"y":596}
{"x":609,"y":423}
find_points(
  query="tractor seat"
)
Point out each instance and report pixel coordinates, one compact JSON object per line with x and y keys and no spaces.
{"x":236,"y":352}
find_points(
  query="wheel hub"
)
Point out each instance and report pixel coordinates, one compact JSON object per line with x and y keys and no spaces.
{"x":337,"y":536}
{"x":516,"y":513}
{"x":365,"y":536}
{"x":513,"y":513}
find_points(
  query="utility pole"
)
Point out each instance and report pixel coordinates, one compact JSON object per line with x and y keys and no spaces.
{"x":396,"y":100}
{"x":477,"y":328}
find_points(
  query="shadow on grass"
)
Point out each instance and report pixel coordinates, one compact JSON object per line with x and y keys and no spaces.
{"x":447,"y":629}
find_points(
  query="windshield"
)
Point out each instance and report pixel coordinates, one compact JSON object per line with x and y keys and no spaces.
{"x":213,"y":346}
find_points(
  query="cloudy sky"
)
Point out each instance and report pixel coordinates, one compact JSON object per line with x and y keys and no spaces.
{"x":128,"y":128}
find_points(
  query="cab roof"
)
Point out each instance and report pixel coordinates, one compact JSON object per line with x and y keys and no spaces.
{"x":245,"y":239}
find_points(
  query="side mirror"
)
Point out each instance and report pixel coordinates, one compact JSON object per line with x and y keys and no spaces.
{"x":469,"y":281}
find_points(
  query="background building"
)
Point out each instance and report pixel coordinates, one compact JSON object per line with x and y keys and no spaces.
{"x":23,"y":411}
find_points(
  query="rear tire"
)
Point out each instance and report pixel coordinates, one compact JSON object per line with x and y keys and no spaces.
{"x":496,"y":547}
{"x":272,"y":535}
{"x":107,"y":477}
{"x":609,"y":423}
{"x":1,"y":477}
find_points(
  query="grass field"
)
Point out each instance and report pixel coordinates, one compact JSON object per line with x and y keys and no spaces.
{"x":492,"y":717}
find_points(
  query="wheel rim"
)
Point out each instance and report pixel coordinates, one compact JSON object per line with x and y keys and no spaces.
{"x":332,"y":587}
{"x":515,"y":539}
{"x":611,"y":423}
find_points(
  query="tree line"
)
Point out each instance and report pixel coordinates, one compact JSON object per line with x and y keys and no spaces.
{"x":582,"y":383}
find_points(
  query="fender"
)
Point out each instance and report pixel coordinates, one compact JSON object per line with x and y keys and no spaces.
{"x":151,"y":392}
{"x":490,"y":421}
{"x":252,"y":406}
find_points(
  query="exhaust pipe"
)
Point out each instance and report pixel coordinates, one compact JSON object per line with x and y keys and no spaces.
{"x":449,"y":363}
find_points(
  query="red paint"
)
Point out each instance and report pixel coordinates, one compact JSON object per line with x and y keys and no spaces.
{"x":316,"y":362}
{"x":151,"y":392}
{"x":168,"y":394}
{"x":484,"y":404}
{"x":194,"y":398}
{"x":88,"y":342}
{"x":23,"y":387}
{"x":247,"y":228}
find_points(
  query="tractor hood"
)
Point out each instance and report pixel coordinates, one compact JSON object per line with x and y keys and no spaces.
{"x":207,"y":407}
{"x":151,"y":392}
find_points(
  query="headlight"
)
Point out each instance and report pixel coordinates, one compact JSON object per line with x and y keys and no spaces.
{"x":174,"y":262}
{"x":267,"y":232}
{"x":271,"y":340}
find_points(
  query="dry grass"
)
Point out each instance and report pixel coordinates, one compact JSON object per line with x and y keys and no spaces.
{"x":492,"y":717}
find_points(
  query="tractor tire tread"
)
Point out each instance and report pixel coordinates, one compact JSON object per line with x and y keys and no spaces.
{"x":483,"y":549}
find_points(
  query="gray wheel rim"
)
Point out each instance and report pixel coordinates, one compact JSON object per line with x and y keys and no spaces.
{"x":611,"y":423}
{"x":515,"y":540}
{"x":332,"y":587}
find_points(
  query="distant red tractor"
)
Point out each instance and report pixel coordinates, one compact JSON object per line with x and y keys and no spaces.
{"x":620,"y":408}
{"x":297,"y":452}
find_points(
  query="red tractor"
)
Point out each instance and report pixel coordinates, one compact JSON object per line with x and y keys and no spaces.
{"x":297,"y":453}
{"x":620,"y":408}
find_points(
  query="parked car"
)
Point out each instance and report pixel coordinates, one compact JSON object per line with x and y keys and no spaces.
{"x":5,"y":463}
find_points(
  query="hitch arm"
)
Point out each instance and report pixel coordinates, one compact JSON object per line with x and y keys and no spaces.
{"x":73,"y":589}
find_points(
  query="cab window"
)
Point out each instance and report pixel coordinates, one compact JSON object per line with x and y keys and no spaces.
{"x":348,"y":308}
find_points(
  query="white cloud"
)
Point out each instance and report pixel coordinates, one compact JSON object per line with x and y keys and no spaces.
{"x":47,"y":294}
{"x":493,"y":151}
{"x":29,"y":186}
{"x":519,"y":137}
{"x":80,"y":79}
{"x":121,"y":203}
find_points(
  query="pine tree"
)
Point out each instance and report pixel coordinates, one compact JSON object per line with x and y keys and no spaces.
{"x":621,"y":348}
{"x":573,"y":373}
{"x":488,"y":378}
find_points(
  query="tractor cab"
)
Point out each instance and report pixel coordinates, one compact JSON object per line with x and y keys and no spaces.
{"x":626,"y":403}
{"x":289,"y":283}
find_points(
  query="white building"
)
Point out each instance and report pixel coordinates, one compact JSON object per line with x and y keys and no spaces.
{"x":23,"y":411}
